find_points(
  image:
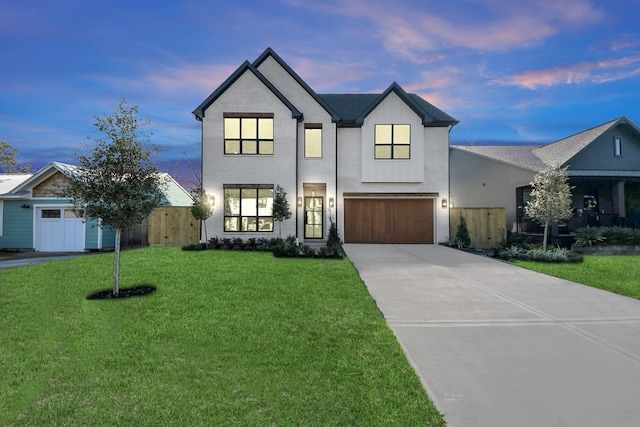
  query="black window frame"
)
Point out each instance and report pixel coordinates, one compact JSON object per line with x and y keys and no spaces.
{"x":262,"y":223}
{"x":313,"y":126}
{"x":242,"y":141}
{"x":392,"y":144}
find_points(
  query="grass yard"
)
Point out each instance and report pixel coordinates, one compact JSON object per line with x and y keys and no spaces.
{"x":614,"y":273}
{"x":228,"y":338}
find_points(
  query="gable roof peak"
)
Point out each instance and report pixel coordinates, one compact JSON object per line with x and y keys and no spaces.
{"x":245,"y":67}
{"x":430,"y":115}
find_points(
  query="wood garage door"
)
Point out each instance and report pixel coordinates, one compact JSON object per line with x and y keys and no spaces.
{"x":388,"y":221}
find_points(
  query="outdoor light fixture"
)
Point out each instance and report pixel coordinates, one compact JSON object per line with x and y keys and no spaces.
{"x":25,"y":206}
{"x":313,"y":193}
{"x":299,"y":201}
{"x":444,"y":203}
{"x":212,"y":201}
{"x":330,"y":202}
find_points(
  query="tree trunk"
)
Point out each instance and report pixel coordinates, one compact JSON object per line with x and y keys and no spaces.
{"x":116,"y":264}
{"x":544,"y":238}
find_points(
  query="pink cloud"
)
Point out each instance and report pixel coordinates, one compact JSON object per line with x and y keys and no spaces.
{"x":592,"y":72}
{"x":414,"y":32}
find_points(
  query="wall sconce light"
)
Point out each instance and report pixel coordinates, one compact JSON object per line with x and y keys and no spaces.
{"x":313,"y":193}
{"x":25,"y":206}
{"x":331,"y":203}
{"x":299,"y":201}
{"x":444,"y":203}
{"x":212,"y":201}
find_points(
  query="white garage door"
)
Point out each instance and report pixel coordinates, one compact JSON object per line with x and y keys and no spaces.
{"x":59,"y":230}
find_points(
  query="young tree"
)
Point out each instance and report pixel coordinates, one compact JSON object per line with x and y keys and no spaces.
{"x":8,"y":162}
{"x":280,"y":210}
{"x":202,"y":207}
{"x":116,"y":182}
{"x":550,"y":198}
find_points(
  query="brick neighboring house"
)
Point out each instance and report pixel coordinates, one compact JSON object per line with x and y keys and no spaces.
{"x":376,"y":163}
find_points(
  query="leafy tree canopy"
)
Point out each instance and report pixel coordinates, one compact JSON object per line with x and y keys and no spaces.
{"x":8,"y":161}
{"x":117,"y":181}
{"x":550,"y":197}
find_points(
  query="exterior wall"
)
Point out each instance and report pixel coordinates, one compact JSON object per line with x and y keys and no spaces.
{"x":393,"y":111}
{"x":435,"y":169}
{"x":248,"y":95}
{"x":479,"y":182}
{"x":19,"y":223}
{"x":320,"y":171}
{"x":599,"y":155}
{"x":17,"y":230}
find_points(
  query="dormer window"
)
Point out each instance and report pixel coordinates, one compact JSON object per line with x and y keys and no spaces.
{"x":393,"y":142}
{"x":246,"y":133}
{"x":617,"y":146}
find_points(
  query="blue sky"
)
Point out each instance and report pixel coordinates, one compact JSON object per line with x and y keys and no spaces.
{"x":510,"y":71}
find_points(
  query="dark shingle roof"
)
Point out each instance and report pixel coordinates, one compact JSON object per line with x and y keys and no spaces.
{"x":539,"y":157}
{"x":345,"y":109}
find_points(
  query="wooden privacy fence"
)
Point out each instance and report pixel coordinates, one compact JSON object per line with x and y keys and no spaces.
{"x":487,"y":226}
{"x":173,"y":226}
{"x":166,"y":226}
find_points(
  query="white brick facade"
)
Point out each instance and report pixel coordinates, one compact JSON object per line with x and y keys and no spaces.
{"x":347,"y":164}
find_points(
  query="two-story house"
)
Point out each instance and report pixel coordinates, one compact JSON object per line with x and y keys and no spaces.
{"x":377,"y":164}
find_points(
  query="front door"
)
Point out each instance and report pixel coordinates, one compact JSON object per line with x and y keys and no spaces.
{"x":313,"y":217}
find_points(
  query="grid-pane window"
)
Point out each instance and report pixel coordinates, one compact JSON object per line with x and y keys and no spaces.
{"x":248,"y":135}
{"x":393,"y":142}
{"x":313,"y":142}
{"x":248,"y":209}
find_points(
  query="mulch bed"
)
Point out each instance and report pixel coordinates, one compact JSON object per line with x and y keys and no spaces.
{"x":136,"y":291}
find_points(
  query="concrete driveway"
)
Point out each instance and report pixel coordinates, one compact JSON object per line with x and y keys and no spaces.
{"x":496,"y":345}
{"x":20,"y":259}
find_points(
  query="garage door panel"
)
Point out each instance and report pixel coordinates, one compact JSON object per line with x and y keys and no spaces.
{"x":59,"y":232}
{"x":389,"y":221}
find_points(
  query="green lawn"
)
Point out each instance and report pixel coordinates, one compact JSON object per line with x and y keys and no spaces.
{"x":614,"y":273}
{"x":229,"y":338}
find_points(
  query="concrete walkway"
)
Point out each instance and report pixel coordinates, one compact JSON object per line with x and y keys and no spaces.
{"x":496,"y":345}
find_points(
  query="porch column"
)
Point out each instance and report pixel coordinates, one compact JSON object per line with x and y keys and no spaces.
{"x":618,"y":199}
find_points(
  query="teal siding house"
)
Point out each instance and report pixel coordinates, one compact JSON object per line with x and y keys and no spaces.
{"x":34,"y":218}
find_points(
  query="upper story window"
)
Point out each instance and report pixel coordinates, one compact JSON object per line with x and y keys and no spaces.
{"x":248,"y":133}
{"x":617,"y":146}
{"x":248,"y":208}
{"x":393,"y":142}
{"x":312,"y":140}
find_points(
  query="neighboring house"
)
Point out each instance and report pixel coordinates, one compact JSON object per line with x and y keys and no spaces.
{"x":34,"y":217}
{"x":603,"y":167}
{"x":375,"y":163}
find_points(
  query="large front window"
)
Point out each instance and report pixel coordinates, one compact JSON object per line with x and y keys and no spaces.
{"x":393,"y":142}
{"x":251,"y":134}
{"x":248,"y":208}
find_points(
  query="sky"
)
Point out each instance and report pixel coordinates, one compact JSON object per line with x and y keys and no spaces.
{"x":512,"y":72}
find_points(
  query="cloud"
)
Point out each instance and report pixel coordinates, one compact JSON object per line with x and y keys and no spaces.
{"x":482,"y":25}
{"x":586,"y":72}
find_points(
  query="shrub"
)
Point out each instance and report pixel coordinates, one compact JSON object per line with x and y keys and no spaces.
{"x":588,"y":236}
{"x":462,"y":234}
{"x":618,"y":235}
{"x":307,"y":251}
{"x":196,"y":247}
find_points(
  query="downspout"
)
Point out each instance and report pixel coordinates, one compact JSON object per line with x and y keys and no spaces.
{"x":336,"y":203}
{"x":449,"y":181}
{"x":297,"y":177}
